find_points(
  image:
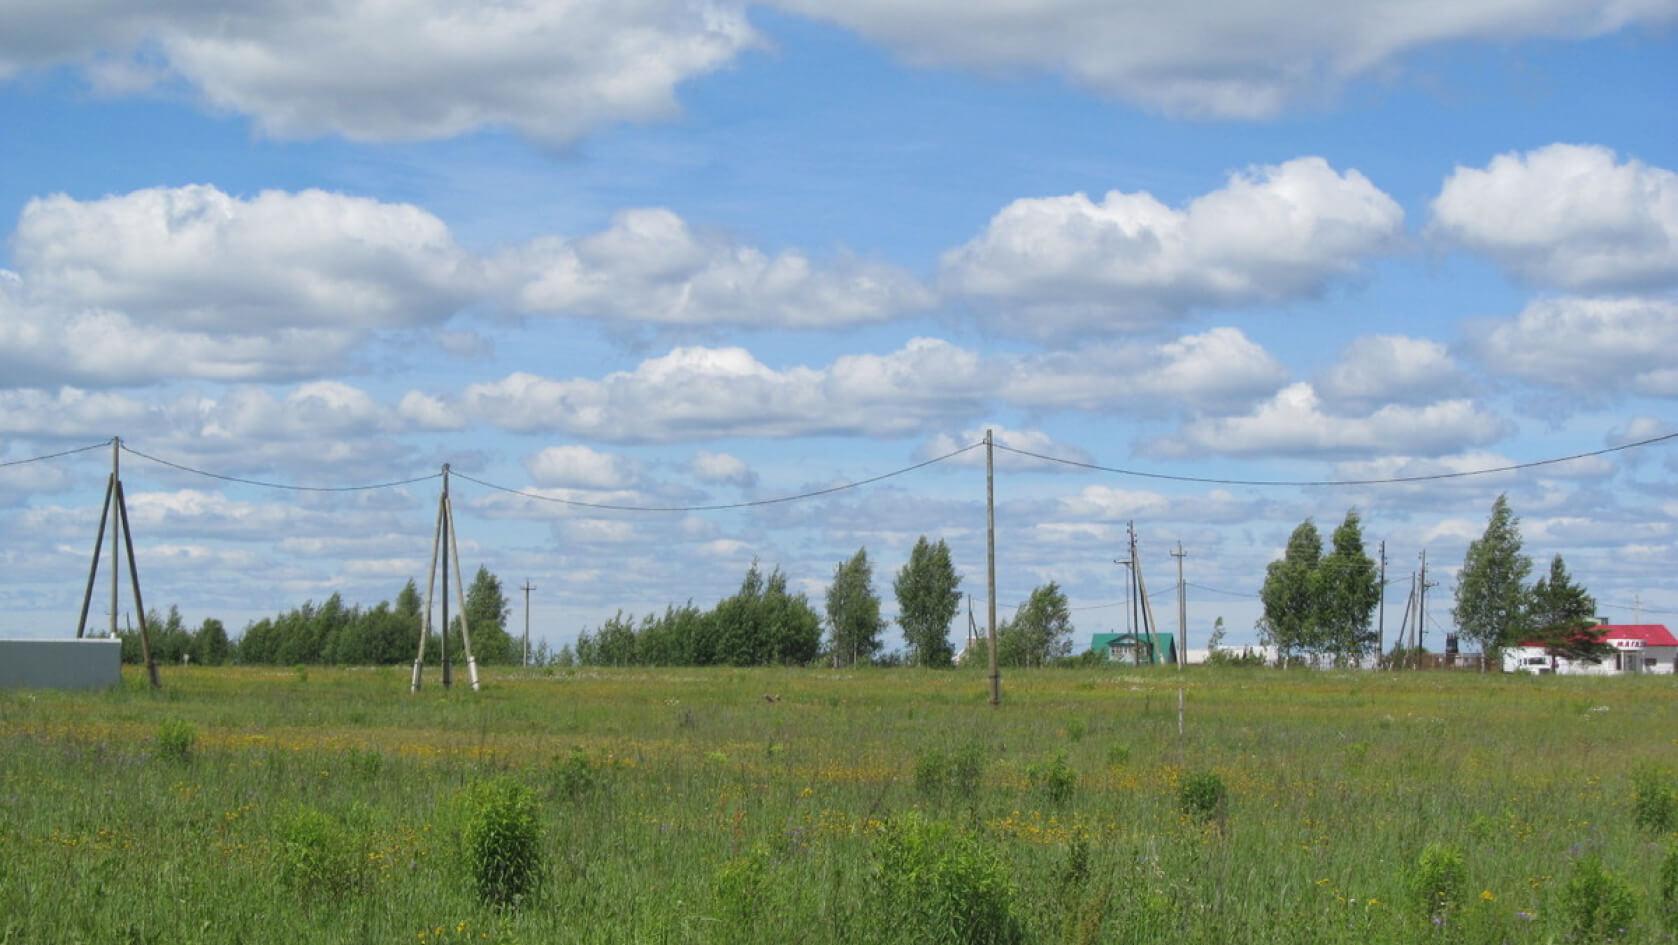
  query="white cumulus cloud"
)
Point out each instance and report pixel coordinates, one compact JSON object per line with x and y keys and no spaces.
{"x":651,"y":267}
{"x":1568,"y":216}
{"x":723,"y":468}
{"x":696,"y":393}
{"x":195,"y":258}
{"x":579,"y":467}
{"x":384,"y":70}
{"x":1060,"y":265}
{"x":1223,"y":58}
{"x":1392,"y":369}
{"x":1295,"y":423}
{"x":1593,"y":347}
{"x":1218,"y":368}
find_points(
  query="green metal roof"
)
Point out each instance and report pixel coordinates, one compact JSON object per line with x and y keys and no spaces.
{"x":1164,"y":644}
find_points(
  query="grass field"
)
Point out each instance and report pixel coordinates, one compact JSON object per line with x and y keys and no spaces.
{"x":330,"y":805}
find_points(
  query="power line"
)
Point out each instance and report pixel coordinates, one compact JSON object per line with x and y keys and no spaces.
{"x":1644,"y":607}
{"x":37,"y":459}
{"x":1339,"y":482}
{"x":1219,"y":590}
{"x":276,"y":485}
{"x":613,"y":507}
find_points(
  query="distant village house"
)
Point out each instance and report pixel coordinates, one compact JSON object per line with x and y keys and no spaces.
{"x":1637,"y":648}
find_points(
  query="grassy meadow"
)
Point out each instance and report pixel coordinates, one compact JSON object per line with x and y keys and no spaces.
{"x":718,"y":805}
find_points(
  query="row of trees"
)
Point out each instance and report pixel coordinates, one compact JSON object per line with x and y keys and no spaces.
{"x":1319,"y":605}
{"x":1496,"y":608}
{"x":762,"y":624}
{"x":1316,"y":605}
{"x":335,"y":633}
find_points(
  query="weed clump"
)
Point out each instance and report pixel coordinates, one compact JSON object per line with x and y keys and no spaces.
{"x":1438,"y":881}
{"x":1202,"y":795}
{"x":1668,"y":902}
{"x":318,"y":854}
{"x":502,"y":840}
{"x":1599,"y":905}
{"x":939,"y":886}
{"x":939,"y":774}
{"x":1654,"y":803}
{"x":1055,"y":778}
{"x":575,"y":774}
{"x":742,"y":889}
{"x":175,"y":740}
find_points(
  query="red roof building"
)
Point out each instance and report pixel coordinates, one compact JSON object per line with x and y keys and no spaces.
{"x":1652,"y":634}
{"x":1638,"y":648}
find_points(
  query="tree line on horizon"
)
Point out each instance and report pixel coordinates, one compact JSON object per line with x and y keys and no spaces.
{"x":333,"y":633}
{"x":1319,"y":605}
{"x":765,"y":624}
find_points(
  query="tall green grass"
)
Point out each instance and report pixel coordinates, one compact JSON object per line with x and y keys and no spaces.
{"x":795,"y":806}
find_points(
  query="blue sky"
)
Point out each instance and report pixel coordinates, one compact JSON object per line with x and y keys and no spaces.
{"x":669,"y":254}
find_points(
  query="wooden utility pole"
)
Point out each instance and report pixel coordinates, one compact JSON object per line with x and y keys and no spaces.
{"x":430,"y":585}
{"x":1148,"y":624}
{"x":444,"y":547}
{"x":527,"y":587}
{"x":447,"y":681}
{"x":1182,"y":620}
{"x":115,"y":509}
{"x":1421,"y":604}
{"x":990,"y":566}
{"x":116,"y":568}
{"x":1404,"y":623}
{"x":1381,"y":612}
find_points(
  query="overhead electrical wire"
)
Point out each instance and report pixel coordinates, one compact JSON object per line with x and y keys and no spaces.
{"x":37,"y":459}
{"x":278,"y":485}
{"x":614,"y":507}
{"x":1391,"y":480}
{"x":623,"y":507}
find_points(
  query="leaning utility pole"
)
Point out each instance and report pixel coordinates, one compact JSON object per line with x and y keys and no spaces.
{"x":990,"y":567}
{"x":115,"y":508}
{"x":1182,"y":610}
{"x":527,"y":587}
{"x":1149,"y":624}
{"x":1403,"y":647}
{"x":444,"y":546}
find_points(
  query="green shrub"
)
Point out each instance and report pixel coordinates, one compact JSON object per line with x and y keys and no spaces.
{"x":742,"y":889}
{"x":1654,"y":803}
{"x":318,"y":854}
{"x":1598,"y":905}
{"x":967,"y":767}
{"x":936,"y":885}
{"x":365,"y":763}
{"x":502,"y":839}
{"x":1201,"y":795}
{"x":932,"y":773}
{"x":1055,"y":778}
{"x":1668,"y":883}
{"x":1439,"y":880}
{"x":575,"y":774}
{"x":939,"y":774}
{"x":1075,"y":729}
{"x":175,"y":739}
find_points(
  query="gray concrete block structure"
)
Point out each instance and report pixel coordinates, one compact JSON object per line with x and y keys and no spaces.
{"x":60,"y":664}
